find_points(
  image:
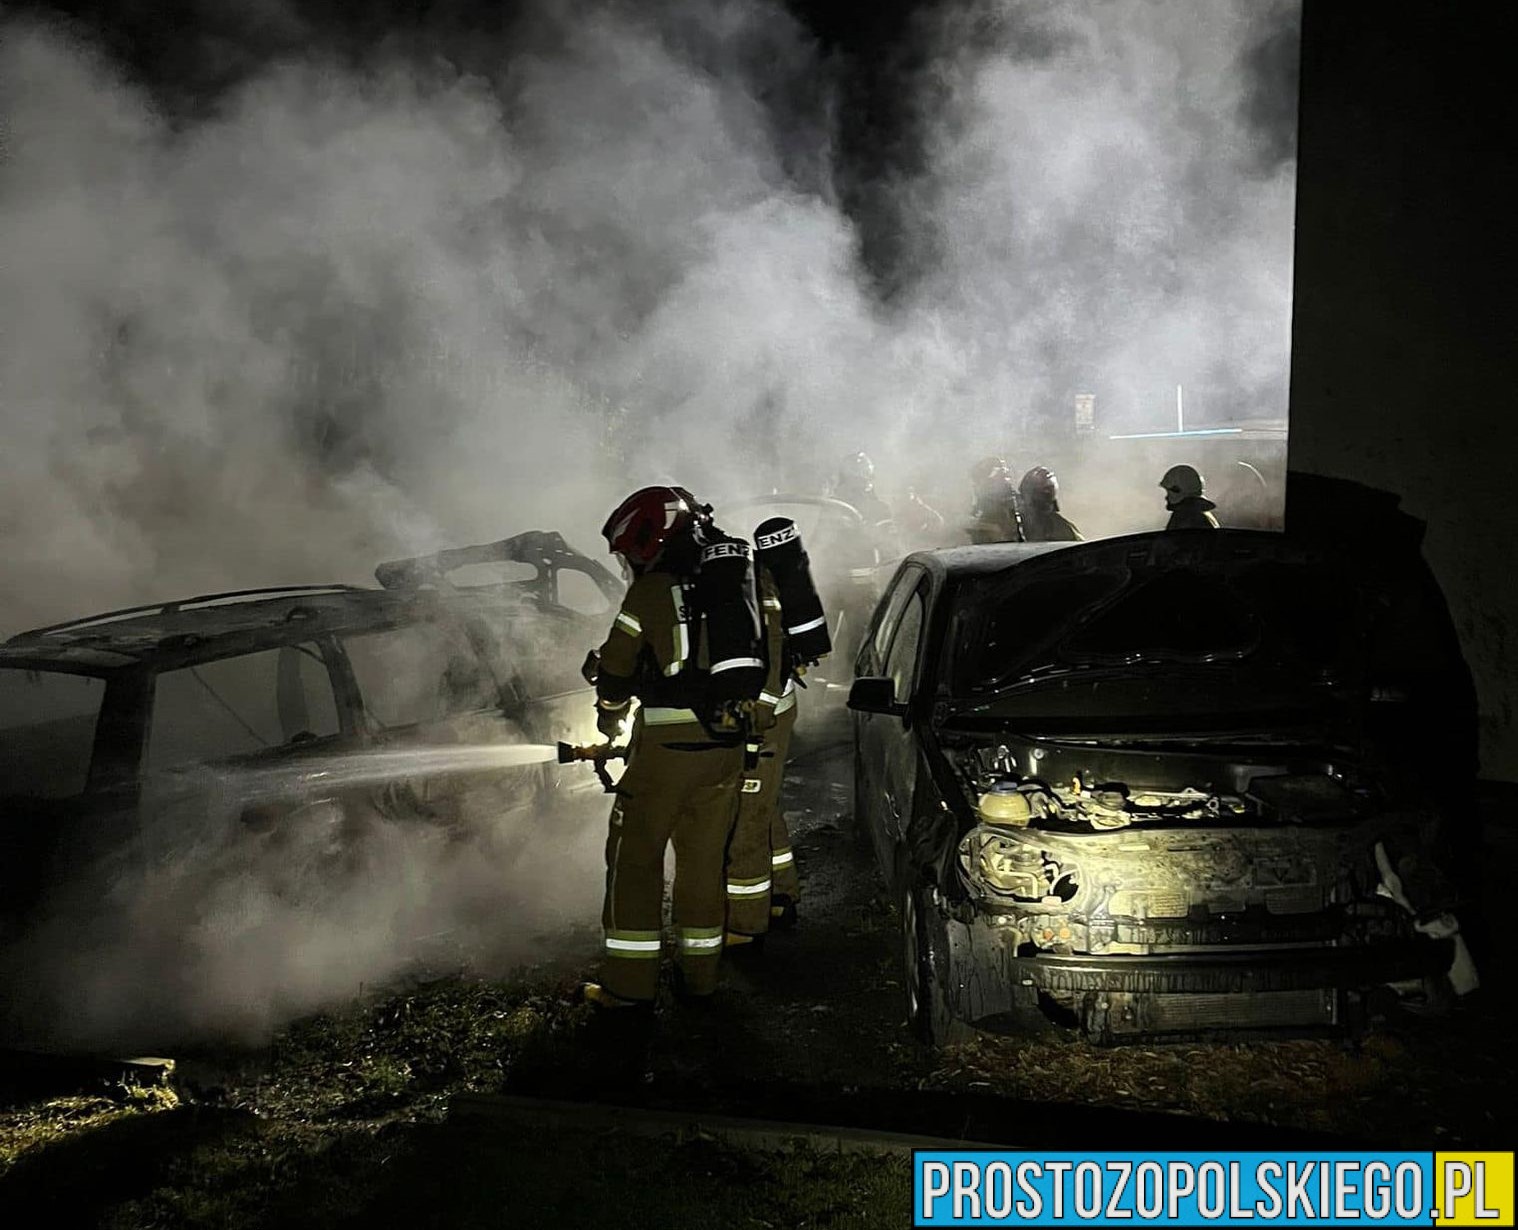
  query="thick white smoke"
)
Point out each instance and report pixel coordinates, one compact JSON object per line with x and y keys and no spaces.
{"x":1104,"y":212}
{"x":226,"y":931}
{"x":350,"y":314}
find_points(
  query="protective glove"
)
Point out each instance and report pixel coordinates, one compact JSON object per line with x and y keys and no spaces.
{"x":609,"y":721}
{"x":590,"y":669}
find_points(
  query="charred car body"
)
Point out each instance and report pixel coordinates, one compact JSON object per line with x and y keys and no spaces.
{"x":1167,"y":783}
{"x":126,"y":736}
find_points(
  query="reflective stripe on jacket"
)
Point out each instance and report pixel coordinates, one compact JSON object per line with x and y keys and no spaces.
{"x":650,"y":639}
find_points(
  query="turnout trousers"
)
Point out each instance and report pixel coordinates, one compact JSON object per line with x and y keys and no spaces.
{"x":760,"y":863}
{"x":679,"y":787}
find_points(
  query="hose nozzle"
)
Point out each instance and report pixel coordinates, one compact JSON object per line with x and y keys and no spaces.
{"x":597,"y":754}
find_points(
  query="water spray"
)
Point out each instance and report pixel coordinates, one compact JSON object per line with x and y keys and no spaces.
{"x":377,"y":767}
{"x":351,"y":770}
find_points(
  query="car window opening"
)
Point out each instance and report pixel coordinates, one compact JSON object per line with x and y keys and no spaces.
{"x":48,"y":721}
{"x":240,"y":705}
{"x":227,"y":706}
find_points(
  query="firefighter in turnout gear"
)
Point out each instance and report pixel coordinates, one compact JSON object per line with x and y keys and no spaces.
{"x":994,"y":516}
{"x":684,"y":768}
{"x":762,"y":882}
{"x":761,"y":868}
{"x":1189,"y":508}
{"x":919,"y":524}
{"x":1038,"y":494}
{"x":854,"y":484}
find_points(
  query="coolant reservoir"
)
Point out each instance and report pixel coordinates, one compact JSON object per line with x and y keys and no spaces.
{"x":1005,"y":805}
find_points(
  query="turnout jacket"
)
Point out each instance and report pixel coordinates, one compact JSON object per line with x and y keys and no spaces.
{"x":1192,"y":513}
{"x":1049,"y":526}
{"x":651,"y":651}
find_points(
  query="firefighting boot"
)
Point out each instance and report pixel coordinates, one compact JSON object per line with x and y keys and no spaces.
{"x":782,"y":913}
{"x":596,"y":994}
{"x":743,"y":948}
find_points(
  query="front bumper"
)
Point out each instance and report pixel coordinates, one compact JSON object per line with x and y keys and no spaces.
{"x":1123,"y":995}
{"x":1240,"y":972}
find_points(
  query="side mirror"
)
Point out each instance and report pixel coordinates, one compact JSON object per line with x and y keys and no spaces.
{"x":875,"y":694}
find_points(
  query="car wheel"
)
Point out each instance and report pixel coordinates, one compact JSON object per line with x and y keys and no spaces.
{"x":929,"y":1012}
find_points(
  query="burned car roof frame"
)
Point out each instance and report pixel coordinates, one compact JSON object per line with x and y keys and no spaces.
{"x":545,"y":550}
{"x":178,"y":633}
{"x":171,"y":608}
{"x":215,"y":625}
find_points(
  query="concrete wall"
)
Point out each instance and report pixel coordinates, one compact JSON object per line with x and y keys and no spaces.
{"x":1403,"y":375}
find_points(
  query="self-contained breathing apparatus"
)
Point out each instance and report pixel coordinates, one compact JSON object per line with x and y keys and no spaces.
{"x":727,"y":602}
{"x":723,"y":668}
{"x":720,"y":662}
{"x":780,"y":550}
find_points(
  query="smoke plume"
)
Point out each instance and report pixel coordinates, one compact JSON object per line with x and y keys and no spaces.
{"x":359,"y":304}
{"x":353,"y":312}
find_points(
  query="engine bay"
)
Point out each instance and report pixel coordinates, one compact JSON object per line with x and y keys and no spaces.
{"x":1068,"y":791}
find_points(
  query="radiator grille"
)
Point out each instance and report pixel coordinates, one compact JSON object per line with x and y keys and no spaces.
{"x":1263,"y":1010}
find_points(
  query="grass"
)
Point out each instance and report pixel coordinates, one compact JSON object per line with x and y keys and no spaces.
{"x":30,"y":1127}
{"x":345,"y":1125}
{"x":1426,"y":1084}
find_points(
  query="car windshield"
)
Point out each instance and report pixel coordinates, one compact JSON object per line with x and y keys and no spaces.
{"x":47,"y":732}
{"x":1262,"y":613}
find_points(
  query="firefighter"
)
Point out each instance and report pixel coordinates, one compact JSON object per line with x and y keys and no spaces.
{"x":854,"y":484}
{"x":682,"y":779}
{"x":994,"y":516}
{"x":919,"y":522}
{"x":1189,"y":508}
{"x":762,"y":884}
{"x":1038,"y":495}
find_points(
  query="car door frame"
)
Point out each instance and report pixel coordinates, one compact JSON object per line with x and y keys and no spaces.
{"x":885,"y":748}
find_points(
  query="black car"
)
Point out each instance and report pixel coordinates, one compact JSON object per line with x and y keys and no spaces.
{"x":1167,"y":783}
{"x":129,"y":736}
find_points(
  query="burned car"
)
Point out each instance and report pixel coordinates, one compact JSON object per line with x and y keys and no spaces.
{"x":126,"y":736}
{"x":1166,"y":783}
